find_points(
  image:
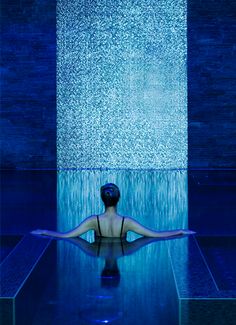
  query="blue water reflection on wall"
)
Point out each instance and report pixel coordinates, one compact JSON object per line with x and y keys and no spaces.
{"x":156,"y":198}
{"x":121,"y":84}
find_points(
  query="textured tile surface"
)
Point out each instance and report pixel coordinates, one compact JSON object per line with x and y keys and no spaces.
{"x":194,"y":278}
{"x":17,"y":266}
{"x":121,"y":84}
{"x":28,"y":84}
{"x":212,"y":204}
{"x":6,"y":311}
{"x":201,"y":299}
{"x":211,"y":83}
{"x":34,"y":197}
{"x":7,"y":244}
{"x":220,"y":253}
{"x":212,"y":312}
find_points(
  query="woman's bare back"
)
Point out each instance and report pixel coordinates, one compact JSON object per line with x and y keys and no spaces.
{"x":110,"y":225}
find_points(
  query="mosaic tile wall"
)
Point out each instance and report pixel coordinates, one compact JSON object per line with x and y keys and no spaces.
{"x":121,"y":84}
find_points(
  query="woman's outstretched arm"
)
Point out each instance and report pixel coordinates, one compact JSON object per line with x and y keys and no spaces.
{"x":86,"y":225}
{"x":84,"y":245}
{"x":133,"y":225}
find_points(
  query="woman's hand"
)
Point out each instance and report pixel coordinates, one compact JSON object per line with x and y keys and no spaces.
{"x":49,"y":233}
{"x":187,"y":232}
{"x":39,"y":232}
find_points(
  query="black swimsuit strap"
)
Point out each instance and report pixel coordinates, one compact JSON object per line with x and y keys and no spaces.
{"x":100,"y":233}
{"x":121,"y":230}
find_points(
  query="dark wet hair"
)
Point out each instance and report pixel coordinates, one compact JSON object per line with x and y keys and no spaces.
{"x":110,"y":194}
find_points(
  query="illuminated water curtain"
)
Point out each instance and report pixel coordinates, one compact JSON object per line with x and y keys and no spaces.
{"x":121,"y":84}
{"x":158,"y":199}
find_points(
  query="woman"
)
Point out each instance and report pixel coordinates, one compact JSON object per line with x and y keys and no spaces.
{"x":110,"y":223}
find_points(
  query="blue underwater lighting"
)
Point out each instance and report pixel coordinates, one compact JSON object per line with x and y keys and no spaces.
{"x":121,"y":84}
{"x":93,"y":315}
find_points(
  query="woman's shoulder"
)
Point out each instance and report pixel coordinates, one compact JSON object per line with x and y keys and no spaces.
{"x":128,"y":218}
{"x":130,"y":222}
{"x":92,"y":216}
{"x":91,"y":219}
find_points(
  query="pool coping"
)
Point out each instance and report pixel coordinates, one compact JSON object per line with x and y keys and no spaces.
{"x":18,"y":265}
{"x":193,"y":277}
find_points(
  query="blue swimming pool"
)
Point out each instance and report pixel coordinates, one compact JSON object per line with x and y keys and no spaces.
{"x":126,"y":284}
{"x":179,"y":281}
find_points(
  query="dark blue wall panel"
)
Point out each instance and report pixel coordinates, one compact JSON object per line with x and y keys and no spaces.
{"x":28,"y":200}
{"x":211,"y":202}
{"x":212,"y":83}
{"x":28,"y":89}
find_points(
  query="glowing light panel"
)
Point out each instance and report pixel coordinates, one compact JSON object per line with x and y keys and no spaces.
{"x":121,"y":84}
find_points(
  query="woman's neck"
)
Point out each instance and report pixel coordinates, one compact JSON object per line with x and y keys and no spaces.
{"x":110,"y":210}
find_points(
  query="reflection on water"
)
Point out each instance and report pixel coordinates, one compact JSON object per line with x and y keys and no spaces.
{"x":141,"y":288}
{"x":158,"y":199}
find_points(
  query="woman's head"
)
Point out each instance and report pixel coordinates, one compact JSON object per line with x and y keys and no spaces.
{"x":110,"y":194}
